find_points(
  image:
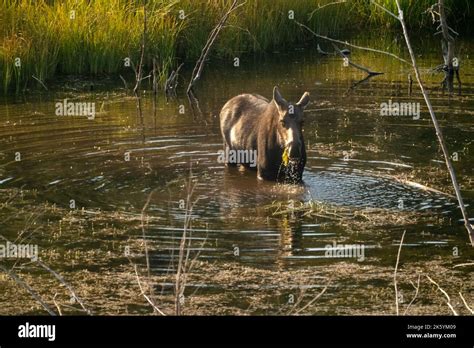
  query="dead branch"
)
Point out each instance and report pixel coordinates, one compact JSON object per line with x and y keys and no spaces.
{"x":465,"y":303}
{"x":142,"y":223}
{"x":58,"y":277}
{"x":450,"y":67}
{"x":124,"y":82}
{"x":323,"y":6}
{"x":149,"y":300}
{"x":139,"y":72}
{"x":439,"y":133}
{"x":56,"y":304}
{"x":448,"y":299}
{"x":313,"y":300}
{"x":197,"y":71}
{"x":41,"y":82}
{"x":357,"y":66}
{"x":62,"y":281}
{"x":351,"y":45}
{"x":182,"y":269}
{"x":155,"y":88}
{"x":24,"y":285}
{"x":395,"y":272}
{"x":172,"y":82}
{"x":464,"y":264}
{"x":417,"y":289}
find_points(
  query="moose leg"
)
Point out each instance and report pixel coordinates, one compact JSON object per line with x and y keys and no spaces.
{"x":227,"y":152}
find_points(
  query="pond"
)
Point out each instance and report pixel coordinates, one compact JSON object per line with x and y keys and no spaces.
{"x":94,"y":194}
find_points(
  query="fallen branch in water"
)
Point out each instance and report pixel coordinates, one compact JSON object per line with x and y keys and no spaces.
{"x":357,"y":66}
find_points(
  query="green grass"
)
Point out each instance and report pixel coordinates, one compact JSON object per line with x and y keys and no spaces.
{"x":103,"y":33}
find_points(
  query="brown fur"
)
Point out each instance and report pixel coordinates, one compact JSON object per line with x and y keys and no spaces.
{"x":268,"y":127}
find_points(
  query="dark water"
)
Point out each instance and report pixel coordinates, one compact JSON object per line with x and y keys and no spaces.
{"x":356,"y":159}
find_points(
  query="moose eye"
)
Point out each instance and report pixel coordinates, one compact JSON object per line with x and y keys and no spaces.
{"x":283,"y":123}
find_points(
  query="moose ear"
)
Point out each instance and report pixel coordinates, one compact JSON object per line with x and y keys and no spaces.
{"x":303,"y":102}
{"x":279,"y":100}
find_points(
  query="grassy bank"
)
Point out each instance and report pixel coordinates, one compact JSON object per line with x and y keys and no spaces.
{"x":46,"y":38}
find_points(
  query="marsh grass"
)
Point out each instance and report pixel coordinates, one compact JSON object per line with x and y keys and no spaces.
{"x":50,"y":39}
{"x":355,"y":218}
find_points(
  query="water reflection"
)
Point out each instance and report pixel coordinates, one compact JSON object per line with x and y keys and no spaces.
{"x":72,"y":158}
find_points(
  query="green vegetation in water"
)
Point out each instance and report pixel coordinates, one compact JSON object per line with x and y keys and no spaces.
{"x":47,"y":38}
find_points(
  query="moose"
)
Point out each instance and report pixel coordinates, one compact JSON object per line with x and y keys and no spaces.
{"x":273,"y":129}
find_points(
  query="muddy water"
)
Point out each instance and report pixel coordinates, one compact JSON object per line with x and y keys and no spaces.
{"x":357,"y":160}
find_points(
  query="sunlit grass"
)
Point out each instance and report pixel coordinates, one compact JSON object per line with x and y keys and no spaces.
{"x":50,"y":37}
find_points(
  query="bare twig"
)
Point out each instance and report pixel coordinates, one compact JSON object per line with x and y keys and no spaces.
{"x":351,"y":45}
{"x":357,"y":66}
{"x":448,"y":50}
{"x":395,"y":272}
{"x":33,"y":293}
{"x":172,"y":82}
{"x":207,"y":47}
{"x":448,"y":299}
{"x":181,"y":270}
{"x":142,"y":220}
{"x":313,"y":300}
{"x":417,"y":289}
{"x":139,"y":72}
{"x":149,"y":300}
{"x":124,"y":82}
{"x":464,"y":264}
{"x":155,"y":89}
{"x":465,"y":303}
{"x":56,"y":304}
{"x":41,"y":82}
{"x":62,"y":281}
{"x":323,"y":6}
{"x":384,"y":9}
